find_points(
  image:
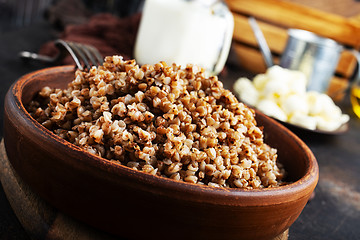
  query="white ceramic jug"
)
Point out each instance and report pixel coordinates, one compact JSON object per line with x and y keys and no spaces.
{"x":185,"y":31}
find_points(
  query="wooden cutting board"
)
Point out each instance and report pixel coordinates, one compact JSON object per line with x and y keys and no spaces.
{"x":42,"y":221}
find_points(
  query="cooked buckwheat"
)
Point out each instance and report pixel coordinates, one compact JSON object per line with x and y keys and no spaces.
{"x":162,"y":120}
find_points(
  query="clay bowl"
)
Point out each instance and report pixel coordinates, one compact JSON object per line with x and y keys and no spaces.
{"x":137,"y":205}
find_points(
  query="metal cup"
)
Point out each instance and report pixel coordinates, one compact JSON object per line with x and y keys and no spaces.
{"x":316,"y":56}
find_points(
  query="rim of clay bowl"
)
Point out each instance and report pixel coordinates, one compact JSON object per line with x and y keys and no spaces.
{"x":161,"y":185}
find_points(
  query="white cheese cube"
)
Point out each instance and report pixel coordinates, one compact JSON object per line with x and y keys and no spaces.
{"x":271,"y":109}
{"x":303,"y":120}
{"x":246,"y":91}
{"x":295,"y":103}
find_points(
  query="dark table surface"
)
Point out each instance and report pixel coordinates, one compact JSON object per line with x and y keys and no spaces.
{"x":334,"y":213}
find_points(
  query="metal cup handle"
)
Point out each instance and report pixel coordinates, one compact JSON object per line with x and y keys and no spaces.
{"x":356,"y":75}
{"x":354,"y":78}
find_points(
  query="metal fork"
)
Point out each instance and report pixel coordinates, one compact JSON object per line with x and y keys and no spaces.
{"x":85,"y":56}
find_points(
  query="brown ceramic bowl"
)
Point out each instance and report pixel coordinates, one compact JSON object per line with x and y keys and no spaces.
{"x":137,"y":205}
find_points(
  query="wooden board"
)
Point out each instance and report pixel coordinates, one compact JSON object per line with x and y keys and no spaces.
{"x":287,"y":14}
{"x":345,"y":8}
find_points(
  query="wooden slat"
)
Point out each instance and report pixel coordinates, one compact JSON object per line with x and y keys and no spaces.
{"x":337,"y":88}
{"x":275,"y":36}
{"x":250,"y":58}
{"x":345,"y":8}
{"x":355,"y":19}
{"x":297,"y":16}
{"x":346,"y":65}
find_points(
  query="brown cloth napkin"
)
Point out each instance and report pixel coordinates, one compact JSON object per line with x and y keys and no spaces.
{"x":111,"y":35}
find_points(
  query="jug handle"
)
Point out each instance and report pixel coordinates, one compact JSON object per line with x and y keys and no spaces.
{"x":228,"y":37}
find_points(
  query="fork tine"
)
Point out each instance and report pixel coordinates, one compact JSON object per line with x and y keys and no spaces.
{"x":80,"y":53}
{"x":89,"y":55}
{"x":96,"y":54}
{"x":85,"y":56}
{"x":74,"y":56}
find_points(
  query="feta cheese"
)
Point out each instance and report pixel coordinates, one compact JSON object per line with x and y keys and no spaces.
{"x":295,"y":103}
{"x":281,"y":93}
{"x":246,"y":91}
{"x":260,"y":81}
{"x":271,"y":109}
{"x":303,"y":120}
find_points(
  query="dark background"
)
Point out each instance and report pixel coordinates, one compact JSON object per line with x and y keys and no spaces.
{"x":334,"y":213}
